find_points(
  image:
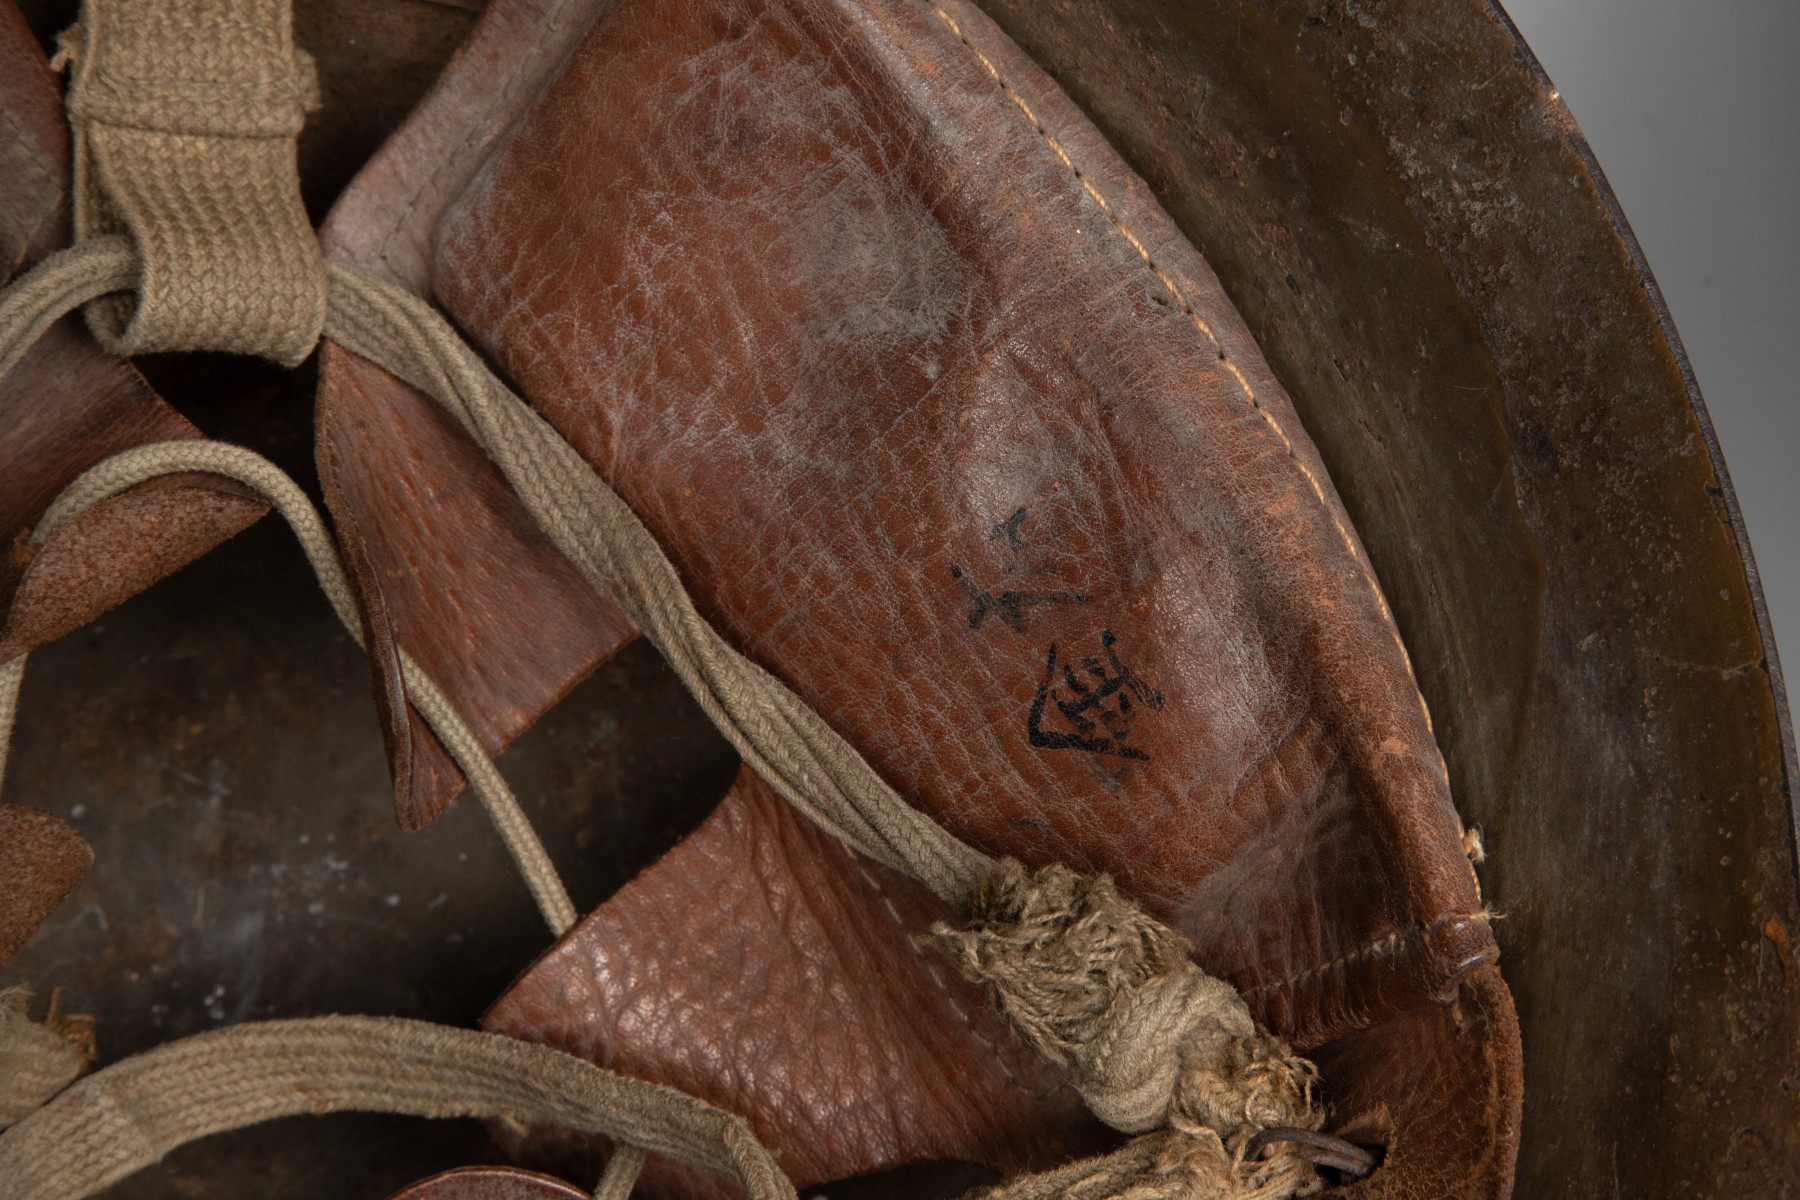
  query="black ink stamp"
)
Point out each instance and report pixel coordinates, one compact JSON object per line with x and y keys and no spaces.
{"x":1010,"y":607}
{"x":1090,"y":704}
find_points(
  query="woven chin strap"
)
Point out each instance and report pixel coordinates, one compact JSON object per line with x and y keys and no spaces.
{"x":192,"y":237}
{"x":134,"y":1112}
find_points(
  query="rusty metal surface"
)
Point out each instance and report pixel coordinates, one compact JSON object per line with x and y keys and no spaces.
{"x":1402,"y":207}
{"x":215,"y":741}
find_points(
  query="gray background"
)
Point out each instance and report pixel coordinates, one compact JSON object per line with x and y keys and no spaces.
{"x":1693,"y":109}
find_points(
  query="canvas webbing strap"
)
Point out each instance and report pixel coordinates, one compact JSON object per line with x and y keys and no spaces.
{"x":185,"y":114}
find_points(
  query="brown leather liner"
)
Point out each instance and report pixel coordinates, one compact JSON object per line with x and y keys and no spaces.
{"x":921,"y":391}
{"x":895,"y":475}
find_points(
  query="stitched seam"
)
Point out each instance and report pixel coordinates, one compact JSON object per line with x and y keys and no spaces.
{"x":943,"y":986}
{"x":1200,"y":323}
{"x":1380,"y":947}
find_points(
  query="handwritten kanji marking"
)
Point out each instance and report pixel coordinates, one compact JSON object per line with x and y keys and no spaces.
{"x":1090,"y":704}
{"x":1012,"y":607}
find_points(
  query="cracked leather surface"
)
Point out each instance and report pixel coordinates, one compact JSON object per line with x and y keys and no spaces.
{"x":945,"y":424}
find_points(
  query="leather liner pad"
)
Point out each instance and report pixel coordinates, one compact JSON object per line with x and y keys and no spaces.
{"x":762,"y":943}
{"x":945,"y":423}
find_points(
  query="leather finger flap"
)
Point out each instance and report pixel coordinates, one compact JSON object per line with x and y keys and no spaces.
{"x":116,"y":549}
{"x":450,"y":567}
{"x":67,"y":405}
{"x":761,"y":966}
{"x":41,"y":860}
{"x":402,"y":730}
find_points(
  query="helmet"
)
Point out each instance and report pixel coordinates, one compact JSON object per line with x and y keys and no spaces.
{"x":1427,"y":256}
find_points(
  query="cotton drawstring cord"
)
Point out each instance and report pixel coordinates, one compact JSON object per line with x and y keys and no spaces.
{"x":790,"y":745}
{"x":58,"y":285}
{"x":803,"y":758}
{"x":1105,"y":991}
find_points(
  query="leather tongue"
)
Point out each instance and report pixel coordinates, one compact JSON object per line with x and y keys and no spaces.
{"x":760,"y":966}
{"x":437,"y":543}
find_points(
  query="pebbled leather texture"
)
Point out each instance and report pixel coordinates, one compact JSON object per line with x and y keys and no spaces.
{"x":947,"y":425}
{"x":761,"y":931}
{"x":68,"y":404}
{"x":41,"y":860}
